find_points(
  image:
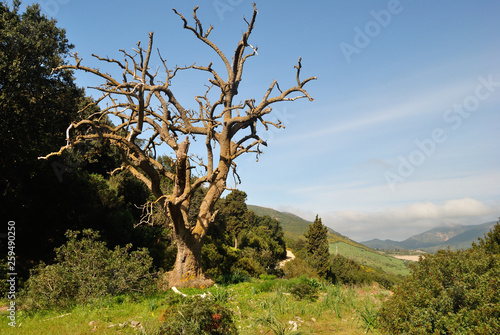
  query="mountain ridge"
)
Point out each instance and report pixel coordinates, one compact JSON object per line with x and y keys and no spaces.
{"x":454,"y":236}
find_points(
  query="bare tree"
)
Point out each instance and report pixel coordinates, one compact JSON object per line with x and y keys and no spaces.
{"x":151,"y":115}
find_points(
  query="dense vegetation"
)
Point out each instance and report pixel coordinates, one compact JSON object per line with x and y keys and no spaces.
{"x":450,"y":292}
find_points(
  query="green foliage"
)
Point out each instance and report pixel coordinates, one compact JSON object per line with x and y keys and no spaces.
{"x":220,"y":294}
{"x":218,"y":258}
{"x":235,"y":277}
{"x":305,"y":290}
{"x":449,"y":292}
{"x":266,"y":285}
{"x":369,"y":317}
{"x":347,"y":271}
{"x":36,"y":106}
{"x":197,"y":316}
{"x":85,"y":270}
{"x":36,"y":103}
{"x":317,"y":247}
{"x":260,"y":242}
{"x":491,"y":241}
{"x":233,"y":211}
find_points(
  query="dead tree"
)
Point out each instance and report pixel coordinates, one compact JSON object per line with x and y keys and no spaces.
{"x":151,"y":116}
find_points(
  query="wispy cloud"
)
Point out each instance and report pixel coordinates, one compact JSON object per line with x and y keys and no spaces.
{"x":374,"y":108}
{"x":366,"y":194}
{"x":401,"y":223}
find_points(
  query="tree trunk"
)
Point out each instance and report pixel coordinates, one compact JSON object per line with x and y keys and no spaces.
{"x":187,"y":271}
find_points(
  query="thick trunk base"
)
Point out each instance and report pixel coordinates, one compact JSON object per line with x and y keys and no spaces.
{"x":187,"y":271}
{"x":173,"y":279}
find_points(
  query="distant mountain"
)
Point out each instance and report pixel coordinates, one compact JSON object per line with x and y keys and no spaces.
{"x":455,"y":237}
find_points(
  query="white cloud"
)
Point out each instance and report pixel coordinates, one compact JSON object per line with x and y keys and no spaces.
{"x":401,"y":223}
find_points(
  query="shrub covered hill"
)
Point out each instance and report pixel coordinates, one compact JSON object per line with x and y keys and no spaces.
{"x":294,"y":228}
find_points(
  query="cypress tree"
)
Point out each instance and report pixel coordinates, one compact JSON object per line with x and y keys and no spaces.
{"x":317,"y":247}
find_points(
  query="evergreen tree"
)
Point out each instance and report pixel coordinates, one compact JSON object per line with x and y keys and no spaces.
{"x":36,"y":103}
{"x":233,"y":211}
{"x":317,"y":247}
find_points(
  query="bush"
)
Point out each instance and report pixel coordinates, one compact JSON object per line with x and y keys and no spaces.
{"x":235,"y":277}
{"x":298,"y":267}
{"x":449,"y":292}
{"x":197,"y":316}
{"x":86,"y":269}
{"x":305,"y":290}
{"x":347,"y":271}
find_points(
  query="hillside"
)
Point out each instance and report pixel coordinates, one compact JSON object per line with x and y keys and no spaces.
{"x":295,"y":227}
{"x":455,"y":237}
{"x":368,"y":257}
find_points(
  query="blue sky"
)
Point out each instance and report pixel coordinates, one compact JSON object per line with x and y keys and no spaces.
{"x":403,"y":133}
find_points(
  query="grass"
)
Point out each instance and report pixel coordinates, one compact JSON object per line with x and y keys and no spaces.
{"x":371,"y":258}
{"x":259,"y":306}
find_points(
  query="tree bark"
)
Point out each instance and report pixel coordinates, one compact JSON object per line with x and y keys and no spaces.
{"x":187,"y":271}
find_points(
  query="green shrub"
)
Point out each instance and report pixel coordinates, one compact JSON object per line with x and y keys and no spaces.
{"x":267,"y":277}
{"x":449,"y":292}
{"x":266,"y":285}
{"x":305,"y":290}
{"x":298,"y":267}
{"x":235,"y":277}
{"x":220,"y":294}
{"x":197,"y":316}
{"x":86,"y":269}
{"x":347,"y":271}
{"x":250,"y":264}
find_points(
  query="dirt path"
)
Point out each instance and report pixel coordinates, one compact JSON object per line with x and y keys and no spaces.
{"x":289,"y":257}
{"x":407,"y":257}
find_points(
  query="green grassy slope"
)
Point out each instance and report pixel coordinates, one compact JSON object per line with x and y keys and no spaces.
{"x":371,"y":258}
